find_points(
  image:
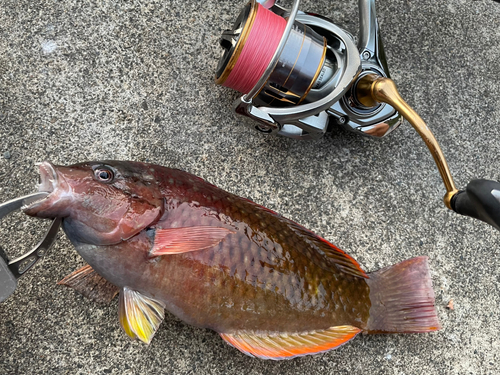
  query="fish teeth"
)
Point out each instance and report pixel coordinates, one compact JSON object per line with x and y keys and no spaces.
{"x":26,"y":206}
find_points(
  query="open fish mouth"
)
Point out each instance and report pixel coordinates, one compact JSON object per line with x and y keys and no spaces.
{"x":47,"y":184}
{"x":48,"y":178}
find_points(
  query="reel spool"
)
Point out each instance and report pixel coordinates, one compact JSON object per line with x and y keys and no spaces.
{"x":296,"y":74}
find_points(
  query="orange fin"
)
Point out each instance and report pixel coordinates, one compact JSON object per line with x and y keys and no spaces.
{"x":92,"y":285}
{"x":183,"y":240}
{"x":286,"y":346}
{"x":139,"y":315}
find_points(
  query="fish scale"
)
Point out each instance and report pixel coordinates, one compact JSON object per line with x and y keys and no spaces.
{"x":291,"y":279}
{"x":273,"y":289}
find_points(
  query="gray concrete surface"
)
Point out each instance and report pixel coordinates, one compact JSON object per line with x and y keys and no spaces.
{"x":83,"y":80}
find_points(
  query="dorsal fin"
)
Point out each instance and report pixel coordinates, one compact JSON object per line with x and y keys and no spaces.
{"x":286,"y":346}
{"x":92,"y":285}
{"x":183,"y":240}
{"x":139,"y":315}
{"x":343,"y":261}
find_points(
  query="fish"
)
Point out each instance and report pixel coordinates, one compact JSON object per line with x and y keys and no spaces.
{"x":166,"y":240}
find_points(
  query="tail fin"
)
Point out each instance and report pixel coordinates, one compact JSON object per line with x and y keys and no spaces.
{"x":402,"y":299}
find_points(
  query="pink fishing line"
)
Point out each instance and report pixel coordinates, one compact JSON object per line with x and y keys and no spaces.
{"x":258,"y":50}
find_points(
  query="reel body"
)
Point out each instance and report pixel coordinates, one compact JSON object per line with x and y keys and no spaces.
{"x":306,"y":86}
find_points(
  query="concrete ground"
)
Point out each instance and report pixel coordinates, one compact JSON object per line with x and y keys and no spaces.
{"x":82,"y":80}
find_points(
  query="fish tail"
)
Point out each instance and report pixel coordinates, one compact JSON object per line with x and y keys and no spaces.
{"x":402,"y":299}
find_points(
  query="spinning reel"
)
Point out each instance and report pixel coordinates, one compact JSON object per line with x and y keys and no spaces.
{"x":301,"y":75}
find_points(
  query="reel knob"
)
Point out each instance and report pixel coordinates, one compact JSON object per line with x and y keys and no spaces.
{"x":480,"y":200}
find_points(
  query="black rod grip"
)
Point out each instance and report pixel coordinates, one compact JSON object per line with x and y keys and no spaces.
{"x":480,"y":200}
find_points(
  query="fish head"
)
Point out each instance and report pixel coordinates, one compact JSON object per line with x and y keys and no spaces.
{"x":101,"y":203}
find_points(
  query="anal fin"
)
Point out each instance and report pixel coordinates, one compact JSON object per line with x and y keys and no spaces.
{"x":278,"y":346}
{"x":88,"y":282}
{"x":183,"y":240}
{"x":139,"y":315}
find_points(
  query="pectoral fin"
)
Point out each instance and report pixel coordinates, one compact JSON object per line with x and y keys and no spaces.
{"x":92,"y":285}
{"x":182,"y":240}
{"x":287,"y":346}
{"x":139,"y":315}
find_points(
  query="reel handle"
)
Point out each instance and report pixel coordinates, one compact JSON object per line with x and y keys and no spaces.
{"x":480,"y":200}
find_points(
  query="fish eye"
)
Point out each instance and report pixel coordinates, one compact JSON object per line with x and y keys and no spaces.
{"x":103,"y":174}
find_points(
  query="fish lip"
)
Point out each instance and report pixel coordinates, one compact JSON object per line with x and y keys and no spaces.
{"x":48,"y":184}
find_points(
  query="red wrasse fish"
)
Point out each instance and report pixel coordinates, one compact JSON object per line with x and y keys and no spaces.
{"x":166,"y":239}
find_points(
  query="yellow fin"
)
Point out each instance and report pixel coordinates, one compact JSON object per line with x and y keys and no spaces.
{"x":140,"y":316}
{"x":290,"y":345}
{"x":122,"y":317}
